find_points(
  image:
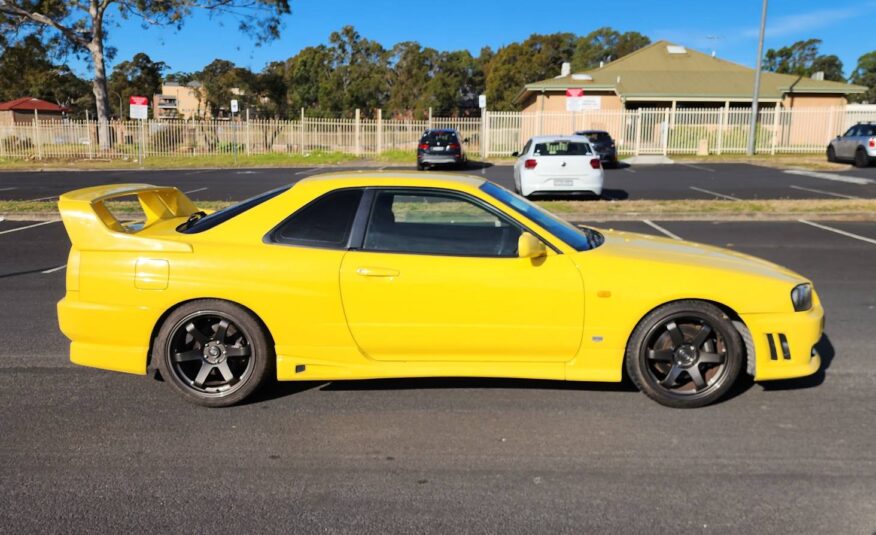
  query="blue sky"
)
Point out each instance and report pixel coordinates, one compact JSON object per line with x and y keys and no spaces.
{"x":729,"y":28}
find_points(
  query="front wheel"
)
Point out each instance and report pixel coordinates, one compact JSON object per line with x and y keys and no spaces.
{"x":213,"y":352}
{"x":831,"y":154}
{"x":685,"y":354}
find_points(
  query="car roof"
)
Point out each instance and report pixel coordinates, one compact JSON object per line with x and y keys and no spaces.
{"x":538,"y":139}
{"x":580,"y":132}
{"x":366,"y":178}
{"x":440,"y":130}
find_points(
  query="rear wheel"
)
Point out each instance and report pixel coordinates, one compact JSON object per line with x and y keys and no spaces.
{"x":421,"y":166}
{"x":213,"y":352}
{"x":861,"y":158}
{"x":831,"y":154}
{"x":685,"y":354}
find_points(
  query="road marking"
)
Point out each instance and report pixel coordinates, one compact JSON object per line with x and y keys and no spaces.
{"x":658,"y":228}
{"x":6,"y":189}
{"x":381,"y":168}
{"x":825,"y":192}
{"x":830,"y":176}
{"x":838,"y":231}
{"x":43,"y":198}
{"x":26,"y":227}
{"x":304,"y":172}
{"x":698,"y":167}
{"x":194,"y":190}
{"x":629,"y":170}
{"x":716,"y":194}
{"x":54,"y":269}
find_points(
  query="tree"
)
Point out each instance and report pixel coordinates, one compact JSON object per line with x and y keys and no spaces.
{"x":536,"y":58}
{"x":82,"y":24}
{"x":139,"y":76}
{"x":360,"y":73}
{"x":306,"y":76}
{"x":457,"y":82}
{"x":412,"y":69}
{"x":27,"y":69}
{"x":605,"y":44}
{"x":865,"y":74}
{"x":803,"y":59}
{"x":223,"y":81}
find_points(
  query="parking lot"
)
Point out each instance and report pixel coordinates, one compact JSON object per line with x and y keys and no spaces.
{"x":90,"y":450}
{"x":679,"y":181}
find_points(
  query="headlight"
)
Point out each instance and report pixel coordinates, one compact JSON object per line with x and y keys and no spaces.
{"x":801,"y":297}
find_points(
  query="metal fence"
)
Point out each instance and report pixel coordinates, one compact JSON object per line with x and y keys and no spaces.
{"x":643,"y":131}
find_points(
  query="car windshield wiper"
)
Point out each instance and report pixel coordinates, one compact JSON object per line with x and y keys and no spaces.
{"x":194,"y":218}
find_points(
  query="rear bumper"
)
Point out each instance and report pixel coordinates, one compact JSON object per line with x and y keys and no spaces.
{"x":553,"y":185}
{"x":439,"y":158}
{"x":784,"y":344}
{"x":106,"y":336}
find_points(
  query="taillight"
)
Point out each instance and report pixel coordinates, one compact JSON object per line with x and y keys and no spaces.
{"x":453,"y":146}
{"x":872,"y":143}
{"x":423,"y":146}
{"x":530,"y":164}
{"x":594,"y":163}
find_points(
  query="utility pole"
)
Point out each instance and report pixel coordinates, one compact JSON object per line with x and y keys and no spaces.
{"x":752,"y":130}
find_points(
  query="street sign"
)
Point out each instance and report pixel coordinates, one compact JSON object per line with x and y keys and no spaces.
{"x":482,"y":101}
{"x":234,"y":106}
{"x":576,"y":100}
{"x":139,"y":107}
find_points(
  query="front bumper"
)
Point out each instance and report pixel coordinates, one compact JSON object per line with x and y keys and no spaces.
{"x":784,"y":343}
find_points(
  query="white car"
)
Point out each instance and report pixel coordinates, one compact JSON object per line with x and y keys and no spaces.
{"x":550,"y":165}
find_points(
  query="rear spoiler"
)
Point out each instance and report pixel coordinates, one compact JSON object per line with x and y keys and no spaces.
{"x":91,"y":226}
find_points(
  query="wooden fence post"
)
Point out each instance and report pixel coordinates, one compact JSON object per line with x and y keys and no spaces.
{"x":379,"y":131}
{"x":301,"y":136}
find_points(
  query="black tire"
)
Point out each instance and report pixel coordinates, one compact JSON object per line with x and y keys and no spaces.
{"x":421,"y":166}
{"x":861,"y":158}
{"x":831,"y":154}
{"x":213,"y":352}
{"x":685,"y":354}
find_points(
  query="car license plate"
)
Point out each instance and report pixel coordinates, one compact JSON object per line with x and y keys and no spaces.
{"x":563,"y":182}
{"x":437,"y":149}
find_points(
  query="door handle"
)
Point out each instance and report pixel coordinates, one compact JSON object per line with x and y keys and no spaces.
{"x":377,"y":272}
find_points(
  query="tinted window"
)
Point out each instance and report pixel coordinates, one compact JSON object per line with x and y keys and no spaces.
{"x":867,"y":130}
{"x":439,"y":138}
{"x":580,"y":240}
{"x":223,"y":215}
{"x":439,"y":224}
{"x":853,"y":131}
{"x":598,"y":137}
{"x":325,"y":222}
{"x":561,"y":148}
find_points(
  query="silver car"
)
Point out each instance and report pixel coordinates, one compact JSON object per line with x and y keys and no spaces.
{"x":857,"y":145}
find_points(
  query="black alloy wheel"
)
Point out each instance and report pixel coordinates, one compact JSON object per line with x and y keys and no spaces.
{"x":685,"y":354}
{"x":213,"y":352}
{"x":831,"y":154}
{"x":861,"y":158}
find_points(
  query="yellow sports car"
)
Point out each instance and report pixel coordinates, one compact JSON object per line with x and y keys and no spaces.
{"x":358,"y":276}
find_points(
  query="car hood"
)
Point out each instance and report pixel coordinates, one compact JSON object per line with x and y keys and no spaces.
{"x":684,"y":254}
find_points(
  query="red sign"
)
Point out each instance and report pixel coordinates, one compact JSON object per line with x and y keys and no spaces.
{"x":574,"y":92}
{"x":139,"y":101}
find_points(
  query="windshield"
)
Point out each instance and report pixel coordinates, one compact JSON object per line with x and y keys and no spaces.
{"x":195,"y":225}
{"x":578,"y":239}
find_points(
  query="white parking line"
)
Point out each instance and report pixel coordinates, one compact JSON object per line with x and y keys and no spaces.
{"x":838,"y":231}
{"x":830,"y":176}
{"x":629,"y":170}
{"x":716,"y":194}
{"x":194,"y":190}
{"x":54,"y":269}
{"x":813,"y":190}
{"x":27,"y":227}
{"x":698,"y":167}
{"x":304,"y":172}
{"x":6,"y":189}
{"x":43,"y":198}
{"x":658,"y":228}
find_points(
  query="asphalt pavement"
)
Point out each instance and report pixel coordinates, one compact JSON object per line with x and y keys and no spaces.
{"x":97,"y":451}
{"x":678,"y":181}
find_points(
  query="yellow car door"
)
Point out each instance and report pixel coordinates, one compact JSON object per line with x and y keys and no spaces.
{"x":437,"y":278}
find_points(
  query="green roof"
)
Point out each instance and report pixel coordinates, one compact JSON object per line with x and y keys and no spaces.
{"x":664,"y":70}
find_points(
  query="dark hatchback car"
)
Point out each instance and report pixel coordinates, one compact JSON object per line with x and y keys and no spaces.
{"x":440,"y":147}
{"x":603,"y":144}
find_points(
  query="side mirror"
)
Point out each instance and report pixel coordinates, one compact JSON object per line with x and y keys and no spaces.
{"x":528,"y":246}
{"x":465,"y":140}
{"x":515,"y":154}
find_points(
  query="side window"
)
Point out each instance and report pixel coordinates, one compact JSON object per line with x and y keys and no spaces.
{"x":525,"y":150}
{"x":439,"y":224}
{"x":851,"y":132}
{"x":325,"y":222}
